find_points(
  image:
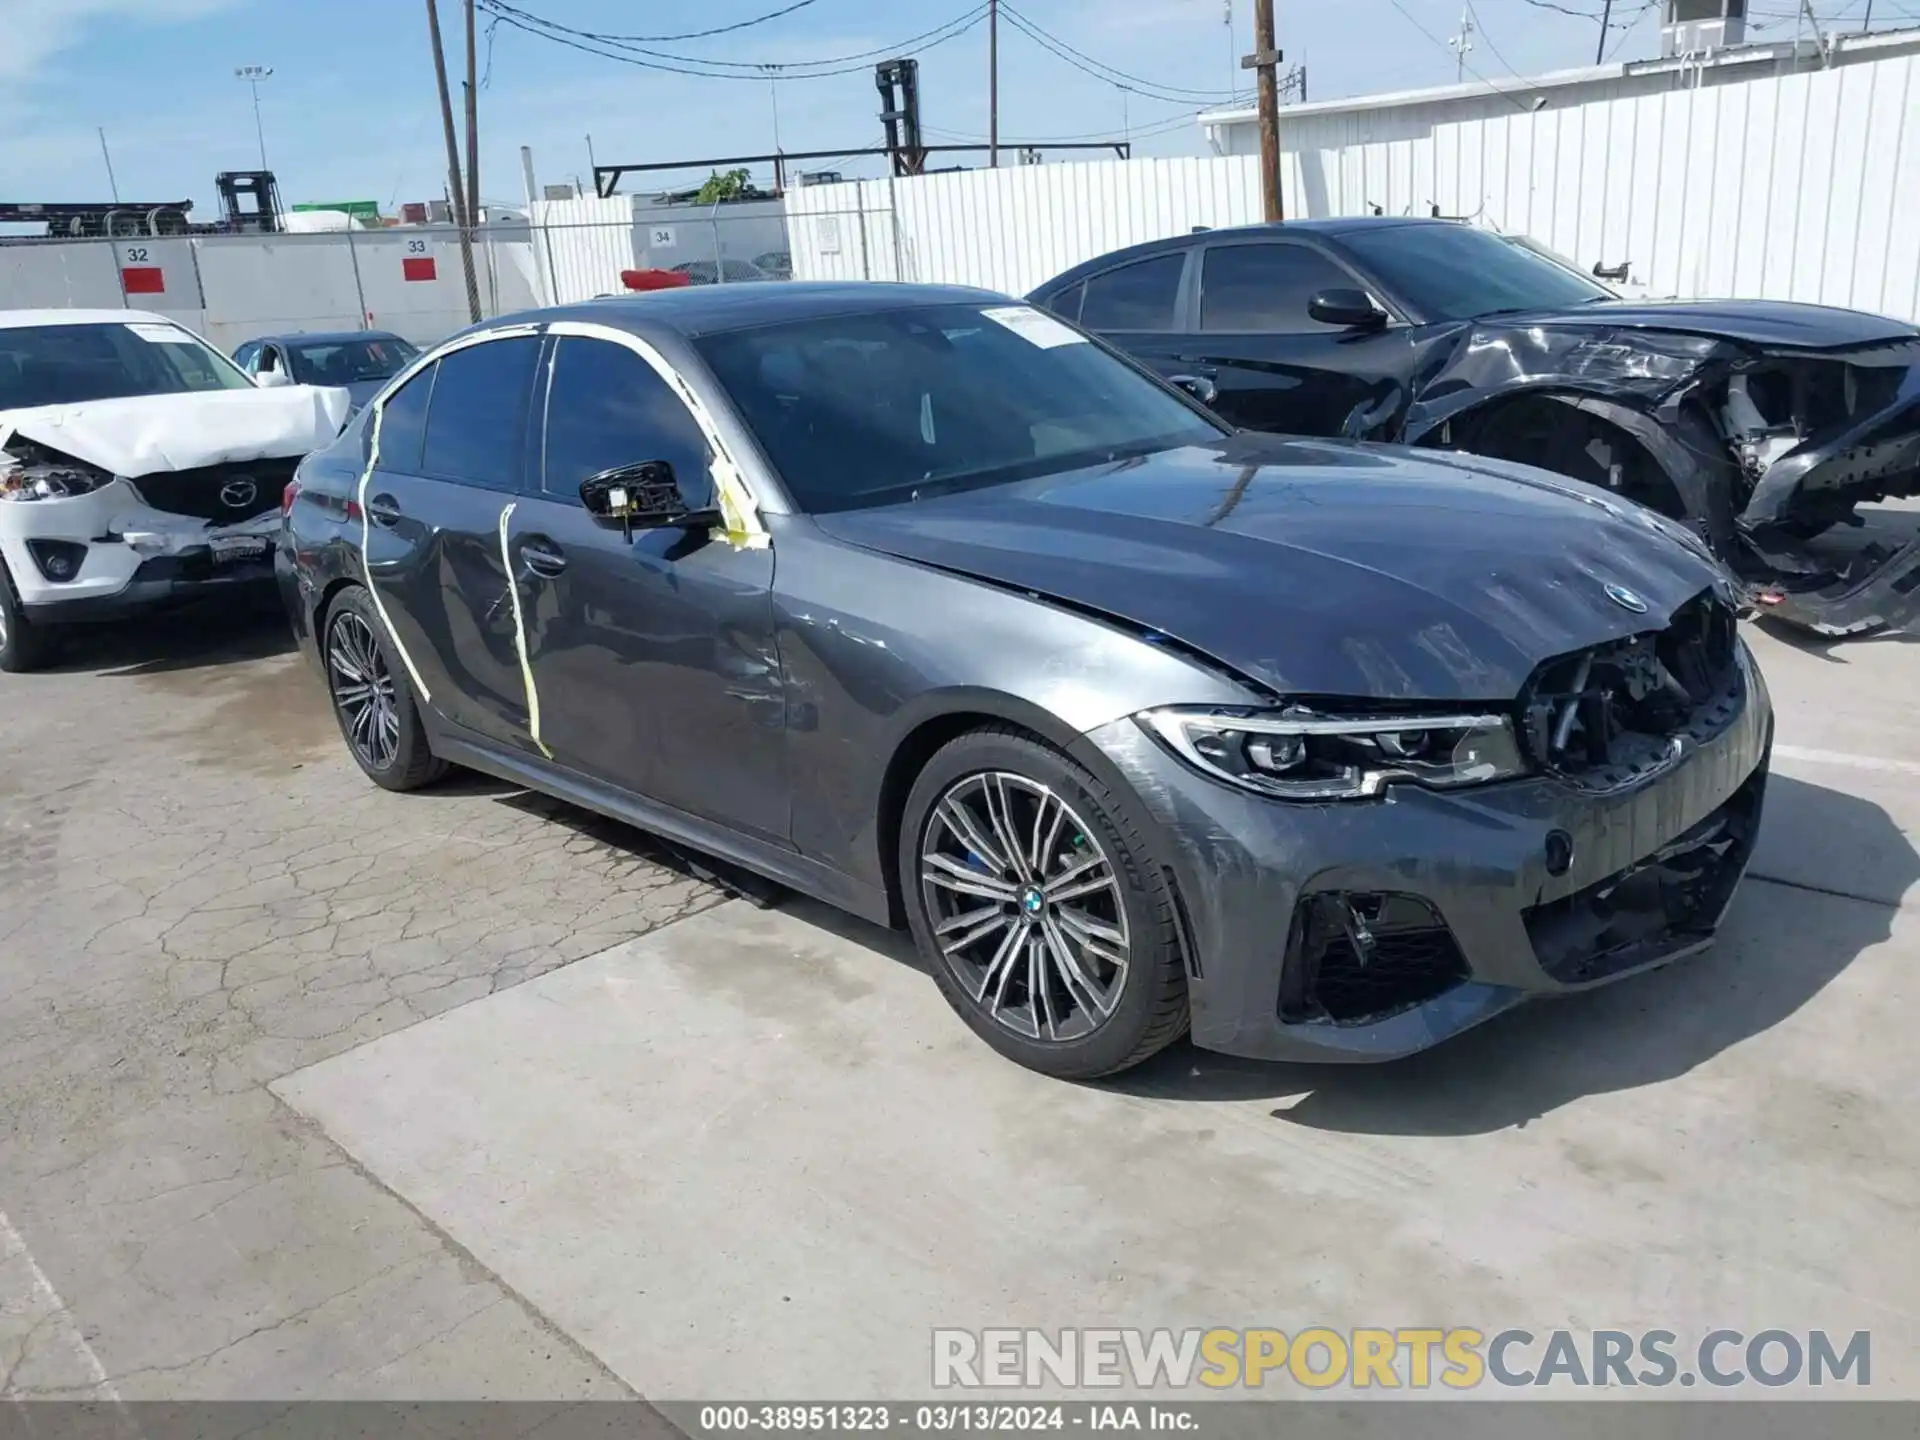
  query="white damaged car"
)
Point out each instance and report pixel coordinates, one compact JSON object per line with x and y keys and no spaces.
{"x":139,"y":468}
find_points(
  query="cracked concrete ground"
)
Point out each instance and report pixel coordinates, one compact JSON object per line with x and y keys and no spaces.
{"x":701,"y":1162}
{"x":199,"y":894}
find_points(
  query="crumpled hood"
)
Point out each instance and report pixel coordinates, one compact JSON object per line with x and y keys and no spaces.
{"x":146,"y":434}
{"x":1323,"y":568}
{"x":1772,"y":323}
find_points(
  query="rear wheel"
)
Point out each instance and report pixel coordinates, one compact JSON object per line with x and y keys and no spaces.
{"x":372,"y":698}
{"x":24,"y":645}
{"x":1032,"y":897}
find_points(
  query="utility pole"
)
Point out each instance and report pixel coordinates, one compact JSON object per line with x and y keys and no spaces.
{"x":993,"y":83}
{"x":1866,"y":25}
{"x":1461,"y":44}
{"x":1606,"y":19}
{"x":1233,"y":51}
{"x":1819,"y":39}
{"x":473,"y":129}
{"x":1262,"y":62}
{"x":456,"y":195}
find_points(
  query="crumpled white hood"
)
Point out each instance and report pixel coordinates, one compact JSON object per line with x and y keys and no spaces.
{"x":148,"y":434}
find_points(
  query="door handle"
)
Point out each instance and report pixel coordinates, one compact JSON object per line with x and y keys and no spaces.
{"x":542,"y":556}
{"x":383,"y":510}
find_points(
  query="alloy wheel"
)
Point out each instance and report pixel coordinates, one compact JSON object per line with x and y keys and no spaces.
{"x":363,"y":691}
{"x":1025,"y":906}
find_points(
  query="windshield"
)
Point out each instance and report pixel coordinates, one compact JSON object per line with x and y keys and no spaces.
{"x":863,"y":410}
{"x":345,"y":362}
{"x":1452,"y":272}
{"x":64,"y":364}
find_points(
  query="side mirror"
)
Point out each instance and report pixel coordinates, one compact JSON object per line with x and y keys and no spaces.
{"x":1349,"y":309}
{"x":272,"y":379}
{"x":1615,"y":273}
{"x":643,"y":496}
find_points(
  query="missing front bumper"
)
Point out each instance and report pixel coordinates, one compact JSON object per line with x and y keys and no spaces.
{"x":1655,"y":910}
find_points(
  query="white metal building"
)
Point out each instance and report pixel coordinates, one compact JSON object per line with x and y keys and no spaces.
{"x":1783,"y":171}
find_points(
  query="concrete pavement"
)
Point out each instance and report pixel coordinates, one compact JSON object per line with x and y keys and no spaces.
{"x":313,"y":1090}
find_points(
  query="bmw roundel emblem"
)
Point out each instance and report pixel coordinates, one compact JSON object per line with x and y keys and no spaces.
{"x":1626,"y":599}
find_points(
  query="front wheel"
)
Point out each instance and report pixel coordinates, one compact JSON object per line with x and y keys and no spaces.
{"x":372,"y":699}
{"x":24,"y":645}
{"x":1034,"y":901}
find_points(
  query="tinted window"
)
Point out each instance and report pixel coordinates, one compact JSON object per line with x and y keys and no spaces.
{"x":861,"y":410}
{"x":403,"y":423}
{"x":1066,"y":304}
{"x":1140,"y":296}
{"x":477,"y":423}
{"x":608,"y":407}
{"x":1265,"y":287}
{"x":1454,"y":272}
{"x":243,"y":357}
{"x":65,"y":364}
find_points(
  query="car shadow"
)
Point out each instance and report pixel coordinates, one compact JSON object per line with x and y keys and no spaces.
{"x":190,"y":639}
{"x":1645,"y":1030}
{"x":626,"y":839}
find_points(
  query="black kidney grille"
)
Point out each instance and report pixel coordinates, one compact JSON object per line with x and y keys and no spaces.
{"x":223,"y":494}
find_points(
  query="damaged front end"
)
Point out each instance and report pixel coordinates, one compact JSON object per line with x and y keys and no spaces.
{"x":1766,"y":451}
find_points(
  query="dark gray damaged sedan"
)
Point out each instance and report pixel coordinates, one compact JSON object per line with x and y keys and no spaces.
{"x":916,"y":600}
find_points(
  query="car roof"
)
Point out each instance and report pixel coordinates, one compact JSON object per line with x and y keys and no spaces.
{"x":320,"y":337}
{"x":711,"y":309}
{"x":1333,"y":228}
{"x":20,"y":319}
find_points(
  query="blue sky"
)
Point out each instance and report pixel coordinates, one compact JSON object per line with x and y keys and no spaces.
{"x":350,"y":112}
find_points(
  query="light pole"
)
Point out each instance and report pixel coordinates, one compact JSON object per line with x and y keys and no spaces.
{"x":253,"y":75}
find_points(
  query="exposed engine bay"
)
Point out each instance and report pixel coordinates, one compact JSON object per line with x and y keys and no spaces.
{"x":1618,"y":714}
{"x":1765,"y":451}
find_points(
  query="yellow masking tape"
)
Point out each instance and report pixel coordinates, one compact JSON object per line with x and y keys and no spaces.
{"x":520,"y":636}
{"x":366,"y":566}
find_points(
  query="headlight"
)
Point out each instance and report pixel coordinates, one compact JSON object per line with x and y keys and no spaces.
{"x":1300,"y":755}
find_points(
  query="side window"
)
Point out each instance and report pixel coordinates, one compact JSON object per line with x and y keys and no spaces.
{"x":1140,"y":296}
{"x":1066,"y":304}
{"x":477,"y":422}
{"x":607,"y":407}
{"x":1265,"y":287}
{"x":244,"y":356}
{"x":403,"y":423}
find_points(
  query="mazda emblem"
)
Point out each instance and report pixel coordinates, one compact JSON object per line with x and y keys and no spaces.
{"x":238,"y":494}
{"x":1626,"y":599}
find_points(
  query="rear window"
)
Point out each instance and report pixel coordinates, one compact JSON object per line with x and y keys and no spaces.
{"x":66,"y":364}
{"x":1140,"y":296}
{"x":476,"y":424}
{"x":348,"y":362}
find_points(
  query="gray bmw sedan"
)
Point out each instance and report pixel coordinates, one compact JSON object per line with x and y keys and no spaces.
{"x":920,"y":601}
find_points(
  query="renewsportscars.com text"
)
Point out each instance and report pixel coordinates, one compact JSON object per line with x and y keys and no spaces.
{"x":1461,"y":1358}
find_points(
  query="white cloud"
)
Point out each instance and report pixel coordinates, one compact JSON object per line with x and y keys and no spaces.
{"x":38,"y":30}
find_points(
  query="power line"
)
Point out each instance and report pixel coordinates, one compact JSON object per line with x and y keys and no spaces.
{"x":1506,"y":95}
{"x":1112,"y":74}
{"x":754,"y":70}
{"x":1493,"y":48}
{"x":1627,"y":27}
{"x":704,"y":34}
{"x":1150,"y":91}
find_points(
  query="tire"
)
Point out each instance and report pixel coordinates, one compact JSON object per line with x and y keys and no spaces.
{"x":1083,"y":1021}
{"x":24,"y":645}
{"x":372,"y":697}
